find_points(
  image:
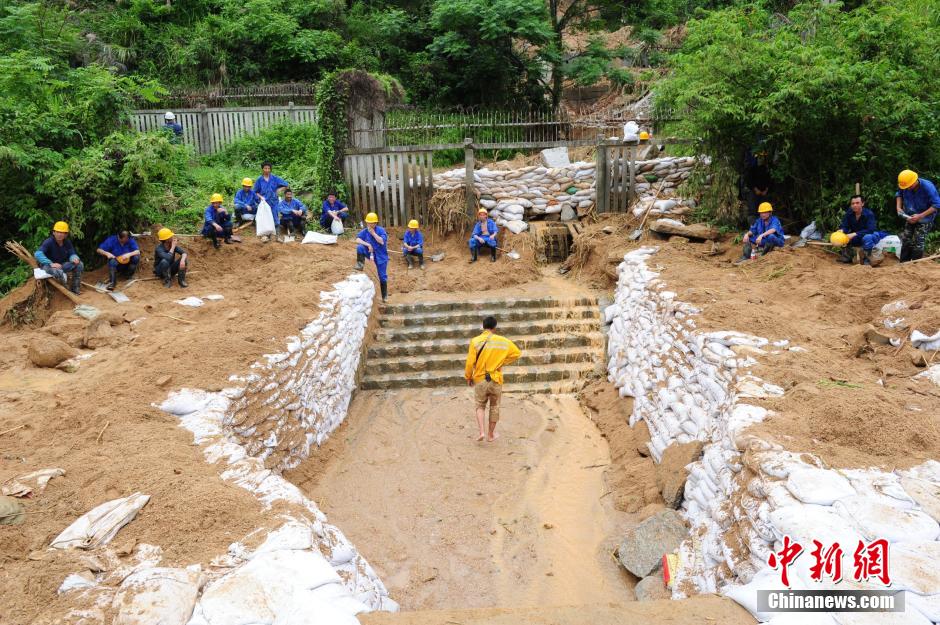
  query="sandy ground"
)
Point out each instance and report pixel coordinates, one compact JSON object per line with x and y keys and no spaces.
{"x":525,"y":518}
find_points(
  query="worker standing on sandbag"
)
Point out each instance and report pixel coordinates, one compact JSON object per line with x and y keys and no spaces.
{"x":413,"y":245}
{"x":169,"y":259}
{"x":917,"y":203}
{"x":123,"y":256}
{"x":56,"y":256}
{"x":267,"y":187}
{"x":859,"y":230}
{"x":484,"y":235}
{"x":488,"y":354}
{"x":293,"y":214}
{"x":373,"y":243}
{"x":332,"y":208}
{"x":246,"y":203}
{"x":218,"y":222}
{"x":764,"y":235}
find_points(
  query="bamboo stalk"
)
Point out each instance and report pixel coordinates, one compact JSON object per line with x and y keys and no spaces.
{"x":23,"y":254}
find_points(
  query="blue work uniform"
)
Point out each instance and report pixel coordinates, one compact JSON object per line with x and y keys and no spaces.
{"x":268,"y":190}
{"x":489,"y":241}
{"x":864,"y":227}
{"x":246,"y":202}
{"x":325,"y":218}
{"x":287,"y":217}
{"x":51,"y":252}
{"x":113,"y":245}
{"x":760,"y":227}
{"x":413,"y":238}
{"x":914,"y":201}
{"x":380,"y":250}
{"x":174,"y":130}
{"x":218,"y":216}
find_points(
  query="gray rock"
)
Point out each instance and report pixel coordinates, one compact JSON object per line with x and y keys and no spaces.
{"x":568,"y":213}
{"x":555,"y":157}
{"x":644,"y":546}
{"x":652,"y":588}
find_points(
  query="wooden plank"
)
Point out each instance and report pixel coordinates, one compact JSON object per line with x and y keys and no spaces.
{"x":407,"y":195}
{"x":632,"y":187}
{"x":355,"y":188}
{"x":600,"y":173}
{"x":402,"y":182}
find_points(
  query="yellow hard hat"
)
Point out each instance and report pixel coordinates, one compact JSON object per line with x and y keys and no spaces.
{"x":482,"y":211}
{"x":907,"y":179}
{"x":838,"y":238}
{"x":124,"y":259}
{"x":765,"y":207}
{"x":164,"y":234}
{"x":413,"y":223}
{"x":644,"y":136}
{"x":216,"y":197}
{"x":247,"y":182}
{"x":372,"y":218}
{"x":60,"y":226}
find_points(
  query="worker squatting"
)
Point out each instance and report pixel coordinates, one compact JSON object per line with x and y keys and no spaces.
{"x":916,"y":202}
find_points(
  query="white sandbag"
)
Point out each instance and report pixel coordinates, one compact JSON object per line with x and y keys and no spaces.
{"x":808,"y":522}
{"x":766,"y":579}
{"x":928,"y":605}
{"x":932,"y":374}
{"x":875,"y":519}
{"x":162,"y":596}
{"x":100,"y":524}
{"x":30,"y":483}
{"x":319,"y":238}
{"x":922,"y":341}
{"x":891,"y":243}
{"x":925,"y":493}
{"x":908,"y":617}
{"x":336,"y":227}
{"x":913,"y":566}
{"x":819,"y":486}
{"x":517,"y":227}
{"x":40,"y":274}
{"x":264,"y":222}
{"x":191,"y":301}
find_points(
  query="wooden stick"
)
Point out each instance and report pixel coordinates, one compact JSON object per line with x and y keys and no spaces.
{"x":175,"y":318}
{"x":23,"y":254}
{"x":12,"y":429}
{"x":101,"y":433}
{"x":136,"y":280}
{"x":920,"y":260}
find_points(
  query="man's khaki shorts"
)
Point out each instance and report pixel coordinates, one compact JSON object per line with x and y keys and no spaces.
{"x":484,"y":392}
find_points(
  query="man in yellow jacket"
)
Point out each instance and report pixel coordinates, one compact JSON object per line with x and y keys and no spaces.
{"x":486,"y":357}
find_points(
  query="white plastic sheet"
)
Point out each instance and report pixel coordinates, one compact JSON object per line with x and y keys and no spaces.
{"x":100,"y":524}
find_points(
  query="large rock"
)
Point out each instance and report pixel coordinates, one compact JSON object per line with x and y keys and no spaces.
{"x":568,"y":213}
{"x":652,"y":588}
{"x":644,"y":546}
{"x":690,"y":231}
{"x":671,"y":473}
{"x":98,"y":333}
{"x":555,"y":157}
{"x":48,"y":351}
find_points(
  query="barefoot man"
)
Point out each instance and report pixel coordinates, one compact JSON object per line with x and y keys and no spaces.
{"x":488,"y":354}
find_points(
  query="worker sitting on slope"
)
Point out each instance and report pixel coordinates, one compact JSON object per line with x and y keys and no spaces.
{"x":57,"y":257}
{"x":246,"y":202}
{"x":484,"y":235}
{"x":487,"y":356}
{"x":917,"y":203}
{"x":764,"y":235}
{"x":169,"y":259}
{"x":332,"y":209}
{"x":218,"y":222}
{"x":373,"y":243}
{"x":293,"y":214}
{"x":859,"y":231}
{"x":413,"y":245}
{"x":123,"y":256}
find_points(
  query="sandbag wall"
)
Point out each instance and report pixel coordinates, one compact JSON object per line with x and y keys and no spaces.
{"x":746,"y":494}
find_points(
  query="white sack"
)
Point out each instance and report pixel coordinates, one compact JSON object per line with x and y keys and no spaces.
{"x":517,"y":226}
{"x":192,"y":302}
{"x":820,"y":486}
{"x":26,"y":485}
{"x":264,"y":224}
{"x":879,"y":520}
{"x":924,"y":342}
{"x":317,"y":237}
{"x":336,"y":227}
{"x":100,"y":524}
{"x":157,"y":596}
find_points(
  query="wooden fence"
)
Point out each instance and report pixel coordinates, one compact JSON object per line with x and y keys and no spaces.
{"x":616,"y":177}
{"x":211,"y":129}
{"x":395,"y":185}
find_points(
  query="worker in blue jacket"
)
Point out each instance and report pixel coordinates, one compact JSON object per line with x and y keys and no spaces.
{"x":246,"y":203}
{"x":861,"y":230}
{"x":267,"y":187}
{"x":373,"y":243}
{"x":413,"y":245}
{"x":218,"y":223}
{"x":123,"y":256}
{"x":332,"y":208}
{"x":292,"y":212}
{"x":484,"y":235}
{"x":917,"y":203}
{"x":765,"y":234}
{"x":56,"y":256}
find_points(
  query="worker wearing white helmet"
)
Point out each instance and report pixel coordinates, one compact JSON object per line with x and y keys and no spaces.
{"x":173,"y":129}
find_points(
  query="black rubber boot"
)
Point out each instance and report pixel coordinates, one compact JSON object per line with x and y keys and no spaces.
{"x":473,"y":254}
{"x":384,"y":288}
{"x":181,"y":278}
{"x":112,"y":278}
{"x":420,"y":261}
{"x":360,"y":261}
{"x":493,"y":254}
{"x":167,"y":280}
{"x":845,"y":256}
{"x":410,"y":261}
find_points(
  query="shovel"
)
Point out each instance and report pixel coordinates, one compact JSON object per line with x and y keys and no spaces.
{"x":513,"y":254}
{"x":117,"y":296}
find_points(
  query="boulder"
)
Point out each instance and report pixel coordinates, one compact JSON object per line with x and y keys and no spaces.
{"x":568,"y":213}
{"x":48,"y":351}
{"x":652,"y":588}
{"x":644,"y":546}
{"x":98,"y":333}
{"x":11,"y":511}
{"x":690,"y":231}
{"x":671,"y":473}
{"x":555,"y":157}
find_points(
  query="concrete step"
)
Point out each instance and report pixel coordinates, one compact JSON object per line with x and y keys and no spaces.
{"x":449,"y":317}
{"x":456,"y":361}
{"x":488,"y":304}
{"x":514,"y":375}
{"x":468,"y":330}
{"x":460,"y":345}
